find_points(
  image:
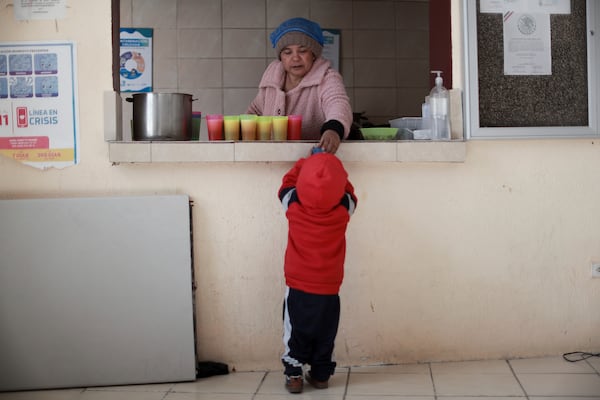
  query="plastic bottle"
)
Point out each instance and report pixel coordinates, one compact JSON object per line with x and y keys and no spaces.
{"x":439,"y":109}
{"x":425,"y":115}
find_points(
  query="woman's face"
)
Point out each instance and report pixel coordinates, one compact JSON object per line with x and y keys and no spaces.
{"x":297,"y":60}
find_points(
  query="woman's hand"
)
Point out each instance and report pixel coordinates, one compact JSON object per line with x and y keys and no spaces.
{"x":330,"y":141}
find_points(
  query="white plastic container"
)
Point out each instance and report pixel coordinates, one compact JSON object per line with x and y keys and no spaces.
{"x":406,"y":126}
{"x":411,"y":123}
{"x":422,"y":134}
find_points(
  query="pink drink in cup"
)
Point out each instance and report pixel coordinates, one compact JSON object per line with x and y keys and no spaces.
{"x":214,"y":123}
{"x":294,"y":130}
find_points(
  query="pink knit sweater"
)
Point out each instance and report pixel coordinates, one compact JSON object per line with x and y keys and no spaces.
{"x":320,"y":97}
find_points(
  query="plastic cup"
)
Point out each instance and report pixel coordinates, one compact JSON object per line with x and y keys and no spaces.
{"x":294,"y":128}
{"x":280,"y":124}
{"x":263,"y":125}
{"x":214,"y":124}
{"x":232,"y":127}
{"x":196,"y":122}
{"x":248,"y":122}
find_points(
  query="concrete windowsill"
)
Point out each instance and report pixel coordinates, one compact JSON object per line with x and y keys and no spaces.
{"x":360,"y":151}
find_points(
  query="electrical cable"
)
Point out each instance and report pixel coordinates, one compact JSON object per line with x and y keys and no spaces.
{"x":575,"y":356}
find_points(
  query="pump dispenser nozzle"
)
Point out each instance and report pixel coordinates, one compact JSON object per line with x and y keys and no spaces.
{"x":438,"y":79}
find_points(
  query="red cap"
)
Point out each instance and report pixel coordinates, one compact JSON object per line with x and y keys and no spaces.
{"x":321,"y":182}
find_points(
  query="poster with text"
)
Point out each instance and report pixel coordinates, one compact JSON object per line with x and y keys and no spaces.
{"x":331,"y":48}
{"x":39,"y":9}
{"x":135,"y":62}
{"x":527,"y":44}
{"x":38,"y":103}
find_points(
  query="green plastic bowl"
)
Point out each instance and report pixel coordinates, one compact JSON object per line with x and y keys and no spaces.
{"x":379,"y":133}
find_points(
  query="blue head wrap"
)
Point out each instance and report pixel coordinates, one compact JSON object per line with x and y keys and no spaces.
{"x":302,"y":25}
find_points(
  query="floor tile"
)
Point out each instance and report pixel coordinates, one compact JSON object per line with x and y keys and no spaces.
{"x":392,"y":397}
{"x":486,"y":398}
{"x":392,"y":369}
{"x":549,"y":365}
{"x":120,"y":395}
{"x":472,"y":367}
{"x":305,"y":395}
{"x":209,"y":396}
{"x":560,"y":384}
{"x":70,"y":394}
{"x":565,"y":398}
{"x":158,"y":387}
{"x":390,"y":384}
{"x":237,"y":382}
{"x":476,"y":385}
{"x":274,"y":384}
{"x":595,"y":363}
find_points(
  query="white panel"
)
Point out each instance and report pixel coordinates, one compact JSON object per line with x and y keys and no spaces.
{"x":95,"y":291}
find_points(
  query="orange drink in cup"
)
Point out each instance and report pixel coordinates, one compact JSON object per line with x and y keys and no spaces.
{"x":263,"y":125}
{"x":280,"y":124}
{"x":248,"y":122}
{"x":232,"y":127}
{"x":214,"y":124}
{"x":294,"y":127}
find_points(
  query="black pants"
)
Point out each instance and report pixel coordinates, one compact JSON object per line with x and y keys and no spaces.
{"x":310,"y":324}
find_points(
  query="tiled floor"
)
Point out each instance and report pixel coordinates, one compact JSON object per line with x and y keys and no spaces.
{"x":534,"y":379}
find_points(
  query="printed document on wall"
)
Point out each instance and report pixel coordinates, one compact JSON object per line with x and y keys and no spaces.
{"x":39,"y":9}
{"x":38,"y":103}
{"x":530,"y":6}
{"x":527,"y":44}
{"x":331,"y":48}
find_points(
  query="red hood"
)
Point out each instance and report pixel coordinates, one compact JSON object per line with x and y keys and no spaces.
{"x":321,"y":182}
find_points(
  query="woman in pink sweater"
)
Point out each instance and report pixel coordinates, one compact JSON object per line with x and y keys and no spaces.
{"x":302,"y":82}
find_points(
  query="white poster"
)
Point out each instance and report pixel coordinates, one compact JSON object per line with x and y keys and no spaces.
{"x":39,"y":9}
{"x":135,"y":61}
{"x":527,"y":44}
{"x":491,"y":6}
{"x":529,"y":6}
{"x":331,"y":48}
{"x":553,"y":6}
{"x":38,"y":103}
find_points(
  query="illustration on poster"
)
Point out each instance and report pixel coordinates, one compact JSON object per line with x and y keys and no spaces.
{"x":46,"y":63}
{"x":21,"y":87}
{"x":132,"y":65}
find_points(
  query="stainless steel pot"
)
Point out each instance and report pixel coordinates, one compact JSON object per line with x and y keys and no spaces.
{"x":162,"y":116}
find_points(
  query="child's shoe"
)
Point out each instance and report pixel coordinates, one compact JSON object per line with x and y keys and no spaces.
{"x":315,"y":383}
{"x":294,"y":384}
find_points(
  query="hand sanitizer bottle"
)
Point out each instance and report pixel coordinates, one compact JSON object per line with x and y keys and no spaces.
{"x":439,"y":110}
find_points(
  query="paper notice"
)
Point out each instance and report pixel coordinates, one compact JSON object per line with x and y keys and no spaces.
{"x":527,"y":44}
{"x":331,"y":48}
{"x":39,"y":9}
{"x":491,"y":6}
{"x":529,"y":6}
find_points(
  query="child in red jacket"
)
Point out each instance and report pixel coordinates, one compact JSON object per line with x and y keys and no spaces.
{"x":319,"y":200}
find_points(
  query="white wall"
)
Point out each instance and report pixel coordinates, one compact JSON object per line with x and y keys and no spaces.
{"x":483,"y":259}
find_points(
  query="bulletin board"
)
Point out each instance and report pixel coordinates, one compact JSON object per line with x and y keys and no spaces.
{"x":555,"y":104}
